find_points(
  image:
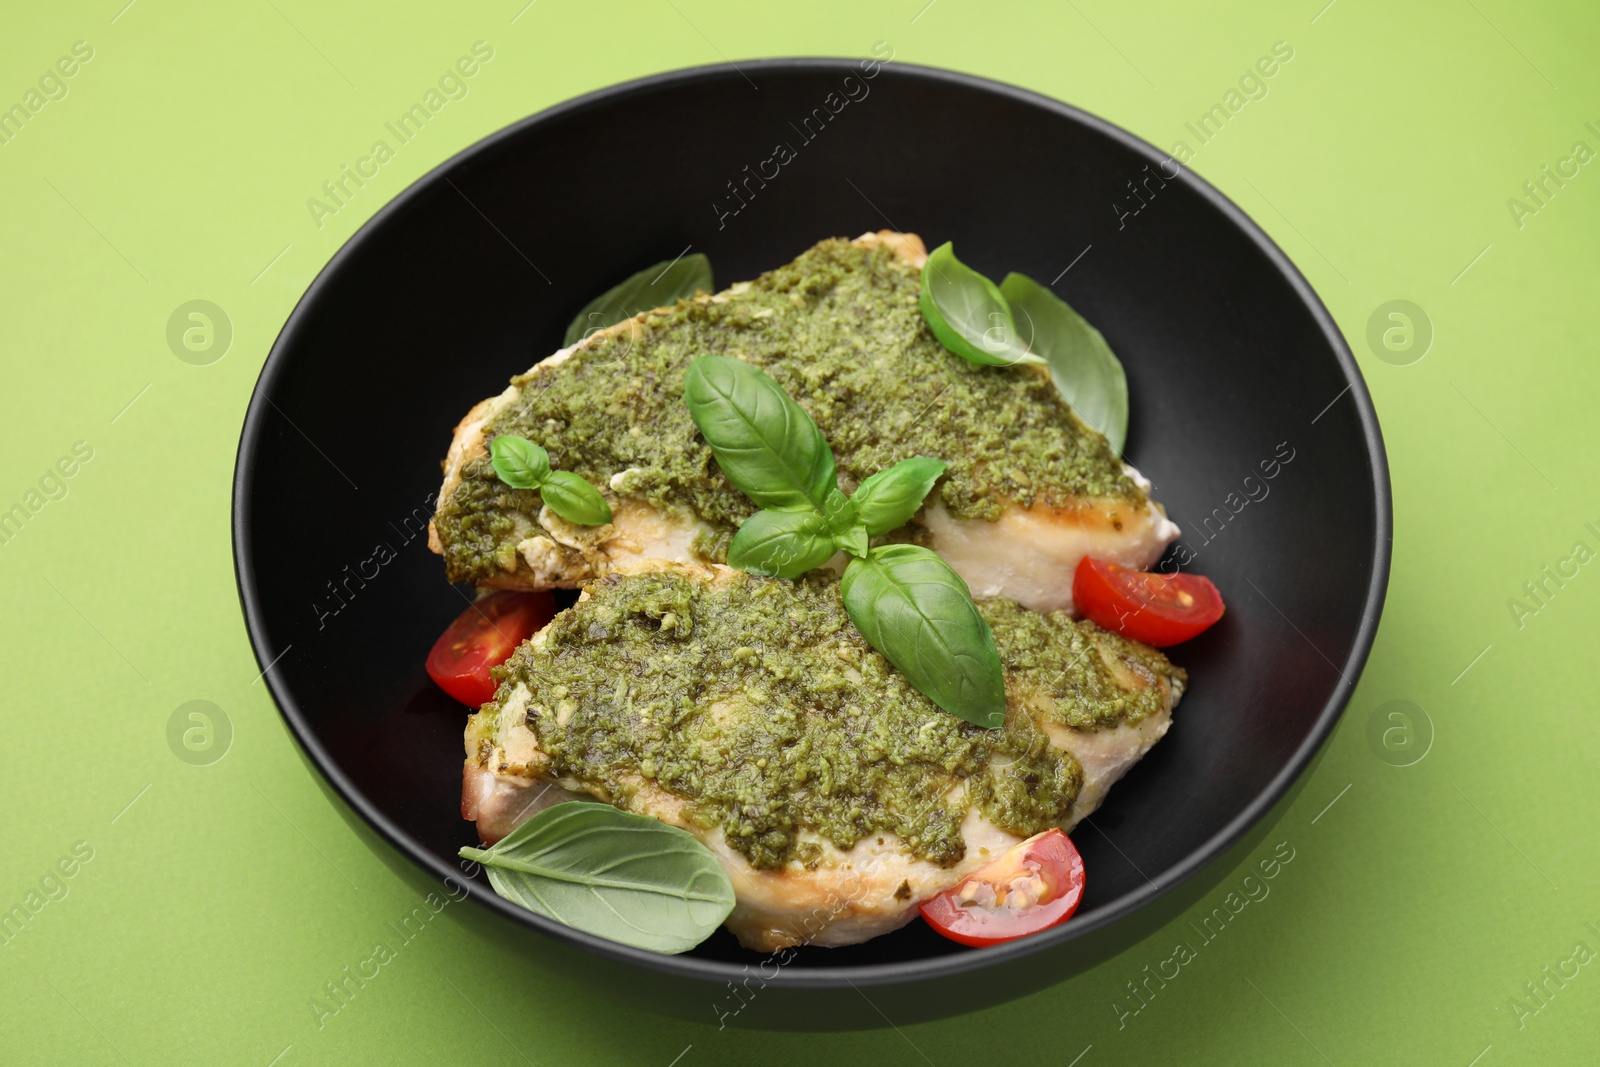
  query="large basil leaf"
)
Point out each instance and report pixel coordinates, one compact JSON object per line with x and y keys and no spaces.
{"x":626,"y":877}
{"x":968,"y":313}
{"x":1087,"y":373}
{"x":784,"y":544}
{"x":888,"y":499}
{"x":653,"y":287}
{"x":518,"y":462}
{"x":914,"y":609}
{"x":574,"y":499}
{"x":764,"y":442}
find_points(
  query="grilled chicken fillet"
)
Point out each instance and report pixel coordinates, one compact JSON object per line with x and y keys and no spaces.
{"x":750,"y":712}
{"x":1030,"y":488}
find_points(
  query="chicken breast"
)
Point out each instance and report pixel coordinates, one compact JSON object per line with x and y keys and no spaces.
{"x":1030,"y":489}
{"x":751,"y":713}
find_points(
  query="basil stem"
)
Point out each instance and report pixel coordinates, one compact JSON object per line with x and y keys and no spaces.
{"x":1087,"y":373}
{"x":968,"y":313}
{"x":656,"y":286}
{"x":629,"y":878}
{"x":912,"y":607}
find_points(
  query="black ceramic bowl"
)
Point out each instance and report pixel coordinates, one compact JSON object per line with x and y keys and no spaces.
{"x":1248,"y":413}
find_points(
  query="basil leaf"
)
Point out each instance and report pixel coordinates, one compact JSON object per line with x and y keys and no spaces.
{"x":607,"y":872}
{"x":1087,"y":373}
{"x":764,"y":442}
{"x":784,"y":544}
{"x":914,"y":609}
{"x":658,"y":286}
{"x":968,"y":313}
{"x":519,"y":462}
{"x":888,"y":499}
{"x":575,"y":499}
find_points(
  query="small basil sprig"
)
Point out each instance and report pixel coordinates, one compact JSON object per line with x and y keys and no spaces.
{"x":522,"y":464}
{"x":607,"y":872}
{"x":654,"y":287}
{"x":906,"y":601}
{"x":1021,"y":321}
{"x":1087,"y":373}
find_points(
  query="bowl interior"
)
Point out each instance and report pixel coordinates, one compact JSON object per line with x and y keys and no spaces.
{"x":1246,"y":412}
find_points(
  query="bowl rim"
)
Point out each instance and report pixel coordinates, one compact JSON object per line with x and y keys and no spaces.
{"x":1118,"y":910}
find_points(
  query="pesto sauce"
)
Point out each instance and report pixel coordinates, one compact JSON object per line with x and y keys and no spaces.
{"x":758,"y":702}
{"x":839,"y":328}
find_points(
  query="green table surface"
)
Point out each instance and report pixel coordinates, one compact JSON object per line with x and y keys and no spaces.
{"x":1441,"y":904}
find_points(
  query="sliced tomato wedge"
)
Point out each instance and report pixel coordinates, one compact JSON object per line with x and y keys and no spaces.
{"x":1032,"y":887}
{"x":482,"y":637}
{"x":1158,"y":609}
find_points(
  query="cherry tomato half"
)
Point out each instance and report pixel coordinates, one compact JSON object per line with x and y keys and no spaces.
{"x":1032,"y":887}
{"x":1158,"y":609}
{"x":484,"y":636}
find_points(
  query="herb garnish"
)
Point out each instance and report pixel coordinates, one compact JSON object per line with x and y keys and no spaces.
{"x":1087,"y":373}
{"x":658,"y":286}
{"x":968,"y":313}
{"x":522,"y":464}
{"x":906,"y":601}
{"x":630,"y":878}
{"x":1021,"y":321}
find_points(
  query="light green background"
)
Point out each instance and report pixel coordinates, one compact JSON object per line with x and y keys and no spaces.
{"x":221,"y":898}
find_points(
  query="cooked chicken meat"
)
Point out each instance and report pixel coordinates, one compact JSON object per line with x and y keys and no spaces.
{"x":1030,"y":488}
{"x":750,"y":712}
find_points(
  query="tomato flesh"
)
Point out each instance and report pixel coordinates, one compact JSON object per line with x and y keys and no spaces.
{"x":482,"y":637}
{"x":1033,"y":886}
{"x":1158,"y":609}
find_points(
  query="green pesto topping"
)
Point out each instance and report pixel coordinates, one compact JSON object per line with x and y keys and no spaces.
{"x":757,"y":701}
{"x":840,"y":330}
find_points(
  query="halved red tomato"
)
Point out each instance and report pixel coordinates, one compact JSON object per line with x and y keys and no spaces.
{"x":1158,"y":609}
{"x":1032,"y":887}
{"x":484,"y":636}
